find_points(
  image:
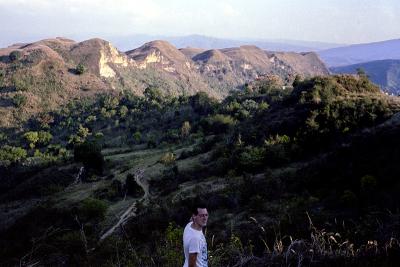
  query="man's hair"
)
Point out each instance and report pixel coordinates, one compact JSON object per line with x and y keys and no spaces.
{"x":196,"y":206}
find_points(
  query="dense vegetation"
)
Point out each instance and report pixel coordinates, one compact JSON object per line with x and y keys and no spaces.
{"x":304,"y":174}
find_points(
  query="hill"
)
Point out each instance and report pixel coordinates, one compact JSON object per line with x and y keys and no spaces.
{"x":284,"y":172}
{"x":44,"y":75}
{"x":385,"y":73}
{"x":360,"y":53}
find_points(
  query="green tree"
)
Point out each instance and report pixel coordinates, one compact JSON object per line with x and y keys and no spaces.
{"x":44,"y":137}
{"x":89,"y":153}
{"x":153,"y":93}
{"x":10,"y":154}
{"x":123,"y":111}
{"x":32,"y":138}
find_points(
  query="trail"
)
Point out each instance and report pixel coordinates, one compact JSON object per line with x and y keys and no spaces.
{"x":131,"y":211}
{"x":78,"y":178}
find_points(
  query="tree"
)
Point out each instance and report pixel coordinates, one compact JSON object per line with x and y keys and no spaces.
{"x":32,"y":138}
{"x":123,"y":111}
{"x":10,"y":154}
{"x":153,"y":93}
{"x":89,"y":153}
{"x":44,"y":137}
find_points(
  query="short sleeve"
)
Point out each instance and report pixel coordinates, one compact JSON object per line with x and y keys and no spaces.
{"x":194,"y":245}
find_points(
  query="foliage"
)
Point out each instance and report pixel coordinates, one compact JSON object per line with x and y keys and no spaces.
{"x":93,"y":209}
{"x":132,"y":186}
{"x":89,"y":153}
{"x":80,"y":69}
{"x":218,"y":123}
{"x":15,"y":55}
{"x":168,"y":159}
{"x":19,"y":100}
{"x":185,"y":129}
{"x":10,"y":154}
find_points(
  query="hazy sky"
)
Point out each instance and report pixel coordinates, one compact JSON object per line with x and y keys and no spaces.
{"x":337,"y":21}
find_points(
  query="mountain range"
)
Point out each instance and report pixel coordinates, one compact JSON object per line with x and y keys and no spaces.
{"x":45,"y":72}
{"x":205,"y":42}
{"x":360,"y":53}
{"x":385,"y":73}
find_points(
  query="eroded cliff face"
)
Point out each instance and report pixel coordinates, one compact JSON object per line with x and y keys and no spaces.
{"x":109,"y":55}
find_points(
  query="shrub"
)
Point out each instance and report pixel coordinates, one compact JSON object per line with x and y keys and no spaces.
{"x":80,"y":69}
{"x":168,"y":159}
{"x":251,"y":158}
{"x":185,"y":129}
{"x":19,"y":100}
{"x":32,"y":138}
{"x":15,"y":55}
{"x":93,"y":209}
{"x":132,"y":186}
{"x":218,"y":123}
{"x":10,"y":154}
{"x":202,"y":103}
{"x":368,"y":183}
{"x":137,"y":136}
{"x":89,"y":153}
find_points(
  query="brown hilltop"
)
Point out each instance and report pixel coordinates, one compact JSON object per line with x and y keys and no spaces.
{"x":211,"y":56}
{"x":190,"y":52}
{"x":307,"y":64}
{"x":162,"y":55}
{"x":45,"y":71}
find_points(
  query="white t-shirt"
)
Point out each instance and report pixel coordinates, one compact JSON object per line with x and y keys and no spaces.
{"x":194,"y":242}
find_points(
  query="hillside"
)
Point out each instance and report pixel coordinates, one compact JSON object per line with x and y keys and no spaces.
{"x":44,"y":75}
{"x":385,"y":73}
{"x":308,"y":173}
{"x":359,"y":53}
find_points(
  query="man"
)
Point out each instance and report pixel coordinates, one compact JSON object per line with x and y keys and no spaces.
{"x":194,"y":242}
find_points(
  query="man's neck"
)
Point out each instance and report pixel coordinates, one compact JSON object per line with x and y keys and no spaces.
{"x":195,"y":226}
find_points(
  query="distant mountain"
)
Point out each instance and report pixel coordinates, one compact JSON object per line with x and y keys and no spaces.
{"x":205,"y":42}
{"x":45,"y":75}
{"x":218,"y":71}
{"x":359,"y":53}
{"x":385,"y":73}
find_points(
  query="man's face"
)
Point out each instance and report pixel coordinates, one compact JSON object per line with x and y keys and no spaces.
{"x":201,"y":217}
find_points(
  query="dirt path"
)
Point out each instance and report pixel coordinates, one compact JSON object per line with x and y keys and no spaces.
{"x":131,"y":211}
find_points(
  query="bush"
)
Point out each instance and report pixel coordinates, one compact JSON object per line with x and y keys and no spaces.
{"x":89,"y":153}
{"x":15,"y":55}
{"x":80,"y":69}
{"x":218,"y":123}
{"x":93,"y":209}
{"x":10,"y":154}
{"x":168,"y":159}
{"x":132,"y":187}
{"x":251,"y":159}
{"x":19,"y":100}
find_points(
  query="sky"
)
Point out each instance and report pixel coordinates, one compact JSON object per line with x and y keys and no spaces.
{"x":332,"y":21}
